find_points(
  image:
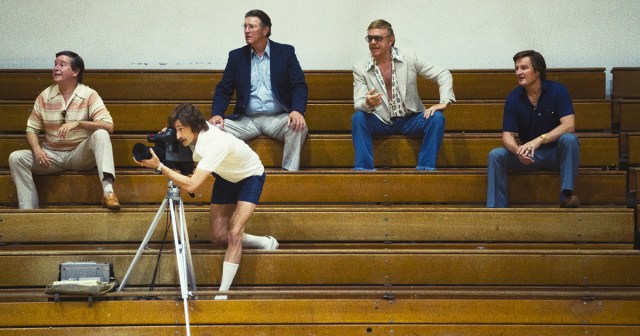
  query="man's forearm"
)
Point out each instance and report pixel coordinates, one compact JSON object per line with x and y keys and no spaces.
{"x":33,"y":141}
{"x":509,"y":142}
{"x":95,"y":125}
{"x":557,"y":132}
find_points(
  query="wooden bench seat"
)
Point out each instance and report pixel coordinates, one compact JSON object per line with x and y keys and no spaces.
{"x":626,"y":83}
{"x":458,"y":315}
{"x":336,"y":329}
{"x":626,"y":113}
{"x":333,"y":329}
{"x":336,"y":151}
{"x":463,"y":116}
{"x":339,"y":267}
{"x":625,"y":93}
{"x":302,"y":226}
{"x":634,"y":179}
{"x":630,"y":148}
{"x":634,"y":149}
{"x":391,"y":293}
{"x":457,"y":186}
{"x":199,"y":85}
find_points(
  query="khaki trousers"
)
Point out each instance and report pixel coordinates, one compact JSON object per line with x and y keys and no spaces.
{"x":95,"y":151}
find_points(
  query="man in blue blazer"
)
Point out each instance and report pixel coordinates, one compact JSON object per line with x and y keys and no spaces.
{"x":270,"y":88}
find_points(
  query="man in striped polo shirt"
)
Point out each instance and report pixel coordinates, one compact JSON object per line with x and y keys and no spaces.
{"x":76,"y":126}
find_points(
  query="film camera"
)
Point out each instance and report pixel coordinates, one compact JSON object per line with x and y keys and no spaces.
{"x":168,"y":149}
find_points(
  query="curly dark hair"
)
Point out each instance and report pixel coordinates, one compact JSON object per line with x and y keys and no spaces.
{"x":189,"y":115}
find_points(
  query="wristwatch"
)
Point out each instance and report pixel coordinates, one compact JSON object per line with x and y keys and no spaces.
{"x":159,"y":168}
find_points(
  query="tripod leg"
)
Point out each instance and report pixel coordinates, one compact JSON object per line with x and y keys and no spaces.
{"x":187,"y":245}
{"x":146,"y":239}
{"x":178,"y":238}
{"x":180,"y":252}
{"x":187,"y":325}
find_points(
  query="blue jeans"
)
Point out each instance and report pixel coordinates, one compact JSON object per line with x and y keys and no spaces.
{"x":364,"y":126}
{"x":563,"y":157}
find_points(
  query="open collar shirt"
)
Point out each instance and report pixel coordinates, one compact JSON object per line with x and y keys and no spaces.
{"x":261,"y":99}
{"x":395,"y":103}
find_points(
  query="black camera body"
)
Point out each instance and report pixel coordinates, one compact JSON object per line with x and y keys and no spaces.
{"x":168,"y":149}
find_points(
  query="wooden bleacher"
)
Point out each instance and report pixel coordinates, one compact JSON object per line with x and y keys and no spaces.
{"x":321,"y":186}
{"x":459,"y":150}
{"x":466,"y":116}
{"x":626,"y":115}
{"x":479,"y":92}
{"x":626,"y":109}
{"x":388,"y":252}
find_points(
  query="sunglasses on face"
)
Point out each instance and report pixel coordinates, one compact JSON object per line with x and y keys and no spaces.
{"x":377,"y":38}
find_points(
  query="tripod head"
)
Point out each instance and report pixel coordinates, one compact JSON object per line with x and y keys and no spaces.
{"x":173,"y":190}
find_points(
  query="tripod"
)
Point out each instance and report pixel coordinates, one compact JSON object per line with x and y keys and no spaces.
{"x":181,"y":242}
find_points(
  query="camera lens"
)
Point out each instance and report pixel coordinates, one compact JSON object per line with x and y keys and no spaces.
{"x":141,"y":152}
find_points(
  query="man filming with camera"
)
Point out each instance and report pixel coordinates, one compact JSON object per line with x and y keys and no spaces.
{"x":239,"y":175}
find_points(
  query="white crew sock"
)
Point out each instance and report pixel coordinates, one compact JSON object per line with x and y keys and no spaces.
{"x":107,"y":186}
{"x":258,"y":242}
{"x":228,"y":273}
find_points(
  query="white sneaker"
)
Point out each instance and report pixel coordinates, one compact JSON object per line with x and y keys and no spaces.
{"x":273,"y":244}
{"x":220,"y":297}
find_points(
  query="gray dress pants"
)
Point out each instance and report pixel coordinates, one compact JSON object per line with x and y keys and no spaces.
{"x":275,"y":127}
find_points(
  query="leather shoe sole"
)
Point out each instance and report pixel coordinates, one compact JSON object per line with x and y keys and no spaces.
{"x":110,"y":201}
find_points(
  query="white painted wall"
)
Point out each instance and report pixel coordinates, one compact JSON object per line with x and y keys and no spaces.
{"x":327,"y":34}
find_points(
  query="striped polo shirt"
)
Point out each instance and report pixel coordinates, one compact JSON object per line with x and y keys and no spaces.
{"x":49,"y":113}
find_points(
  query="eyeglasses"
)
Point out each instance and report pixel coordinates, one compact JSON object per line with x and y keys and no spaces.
{"x":377,"y":38}
{"x":251,"y":27}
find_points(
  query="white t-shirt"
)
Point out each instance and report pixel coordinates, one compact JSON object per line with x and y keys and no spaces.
{"x":222,"y":153}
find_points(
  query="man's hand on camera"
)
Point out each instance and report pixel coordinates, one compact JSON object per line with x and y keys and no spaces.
{"x":152,"y":163}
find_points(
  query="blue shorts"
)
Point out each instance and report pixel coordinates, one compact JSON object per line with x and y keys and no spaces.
{"x":248,"y":190}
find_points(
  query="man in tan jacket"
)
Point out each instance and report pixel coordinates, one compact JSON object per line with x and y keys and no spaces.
{"x":386,"y":100}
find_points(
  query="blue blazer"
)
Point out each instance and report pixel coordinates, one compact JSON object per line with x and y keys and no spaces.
{"x":287,"y":80}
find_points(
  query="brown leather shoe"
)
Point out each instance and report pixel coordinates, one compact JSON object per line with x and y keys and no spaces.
{"x":570,"y":202}
{"x":110,"y":201}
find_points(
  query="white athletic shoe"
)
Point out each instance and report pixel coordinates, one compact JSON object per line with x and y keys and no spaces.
{"x":273,"y":244}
